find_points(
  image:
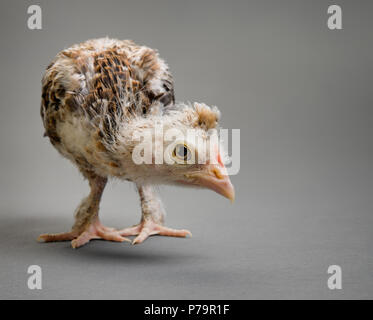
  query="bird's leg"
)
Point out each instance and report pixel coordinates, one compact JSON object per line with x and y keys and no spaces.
{"x":87,"y":225}
{"x":152,"y":218}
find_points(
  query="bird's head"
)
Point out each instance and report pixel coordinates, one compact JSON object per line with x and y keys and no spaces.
{"x":182,"y":147}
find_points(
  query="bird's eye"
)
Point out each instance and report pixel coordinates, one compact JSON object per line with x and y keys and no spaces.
{"x":182,"y":152}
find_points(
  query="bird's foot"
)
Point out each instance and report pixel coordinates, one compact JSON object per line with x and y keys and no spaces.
{"x":95,"y":230}
{"x":148,"y":228}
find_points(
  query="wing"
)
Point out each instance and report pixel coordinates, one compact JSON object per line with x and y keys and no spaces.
{"x":105,"y":79}
{"x":154,"y":75}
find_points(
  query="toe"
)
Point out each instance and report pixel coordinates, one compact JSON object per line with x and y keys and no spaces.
{"x":83,"y":239}
{"x":144,"y":234}
{"x":112,"y":236}
{"x":164,"y":231}
{"x":56,"y":237}
{"x":131,"y":231}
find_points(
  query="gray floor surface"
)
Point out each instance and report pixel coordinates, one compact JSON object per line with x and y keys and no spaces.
{"x":300,"y":94}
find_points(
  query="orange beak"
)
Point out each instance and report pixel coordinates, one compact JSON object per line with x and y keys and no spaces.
{"x":216,"y":179}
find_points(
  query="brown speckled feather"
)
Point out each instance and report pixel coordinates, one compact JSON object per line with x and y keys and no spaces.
{"x":107,"y":80}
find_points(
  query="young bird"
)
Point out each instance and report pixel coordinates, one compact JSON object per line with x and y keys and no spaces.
{"x":97,"y":97}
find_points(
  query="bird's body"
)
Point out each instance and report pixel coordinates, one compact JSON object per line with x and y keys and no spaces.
{"x":91,"y":88}
{"x":95,"y":97}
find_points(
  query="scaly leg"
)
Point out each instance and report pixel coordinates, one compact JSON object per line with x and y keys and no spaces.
{"x":87,"y":224}
{"x":152,"y":218}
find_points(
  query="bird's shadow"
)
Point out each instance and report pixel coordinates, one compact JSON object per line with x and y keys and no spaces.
{"x":20,"y":232}
{"x":145,"y":253}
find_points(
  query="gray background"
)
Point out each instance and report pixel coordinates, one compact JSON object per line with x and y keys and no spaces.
{"x":299,"y":92}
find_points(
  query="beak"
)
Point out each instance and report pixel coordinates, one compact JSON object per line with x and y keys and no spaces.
{"x":216,"y":179}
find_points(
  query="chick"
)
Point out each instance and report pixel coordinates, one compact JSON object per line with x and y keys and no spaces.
{"x":98,"y":98}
